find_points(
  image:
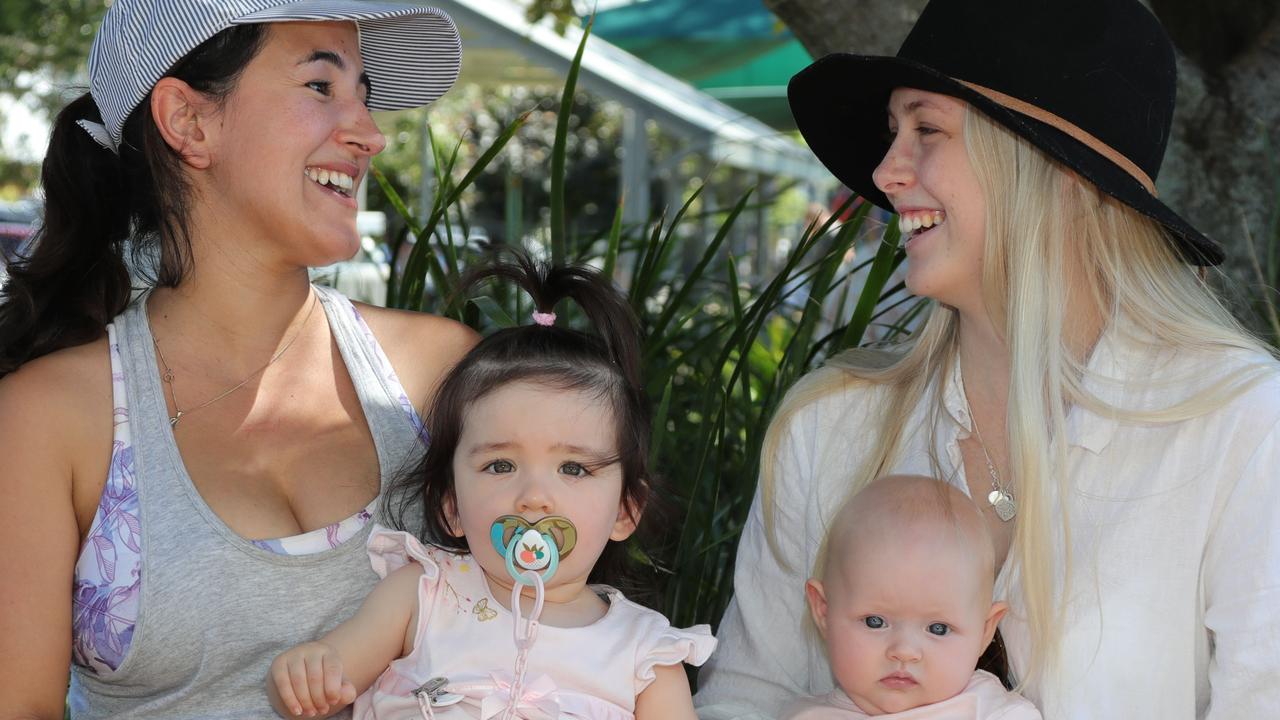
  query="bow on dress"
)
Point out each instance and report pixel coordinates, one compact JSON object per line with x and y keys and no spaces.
{"x":537,"y":701}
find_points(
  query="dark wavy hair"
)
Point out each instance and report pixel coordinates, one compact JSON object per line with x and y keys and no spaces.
{"x":604,"y":362}
{"x":74,"y":279}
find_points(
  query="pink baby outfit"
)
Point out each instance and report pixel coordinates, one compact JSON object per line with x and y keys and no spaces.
{"x":984,"y":698}
{"x":465,"y":636}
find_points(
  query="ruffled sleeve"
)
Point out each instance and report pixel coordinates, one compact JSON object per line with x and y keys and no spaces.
{"x":672,"y":646}
{"x":390,"y":550}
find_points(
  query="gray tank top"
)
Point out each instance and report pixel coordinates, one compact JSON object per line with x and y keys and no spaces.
{"x":215,"y":608}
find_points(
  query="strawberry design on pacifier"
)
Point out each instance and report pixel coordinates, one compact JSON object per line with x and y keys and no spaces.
{"x":533,"y":546}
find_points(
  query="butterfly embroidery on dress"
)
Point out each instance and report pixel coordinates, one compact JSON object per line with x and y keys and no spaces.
{"x":482,"y":610}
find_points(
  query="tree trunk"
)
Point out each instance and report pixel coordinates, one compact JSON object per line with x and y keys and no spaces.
{"x":1222,"y":168}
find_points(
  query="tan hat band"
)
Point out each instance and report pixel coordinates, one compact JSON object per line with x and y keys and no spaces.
{"x":1069,"y":128}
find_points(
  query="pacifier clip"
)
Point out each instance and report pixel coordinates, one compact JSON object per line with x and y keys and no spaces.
{"x":532,"y":552}
{"x":536,"y":548}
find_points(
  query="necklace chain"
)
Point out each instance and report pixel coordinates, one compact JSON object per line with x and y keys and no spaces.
{"x":1000,"y":498}
{"x":179,"y":413}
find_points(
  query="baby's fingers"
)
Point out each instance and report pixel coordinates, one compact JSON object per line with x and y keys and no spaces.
{"x":316,"y":682}
{"x":347,"y":693}
{"x":298,"y":676}
{"x":288,"y":675}
{"x":284,"y":688}
{"x":333,"y":684}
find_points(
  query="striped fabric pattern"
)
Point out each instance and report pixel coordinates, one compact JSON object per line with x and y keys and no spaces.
{"x":411,"y":53}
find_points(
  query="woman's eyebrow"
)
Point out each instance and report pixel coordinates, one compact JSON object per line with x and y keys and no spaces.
{"x":328,"y":56}
{"x":334,"y":59}
{"x":918,"y":104}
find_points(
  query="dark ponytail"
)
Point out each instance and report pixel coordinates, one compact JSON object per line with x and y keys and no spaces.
{"x":75,"y":279}
{"x":604,"y":362}
{"x":607,"y":311}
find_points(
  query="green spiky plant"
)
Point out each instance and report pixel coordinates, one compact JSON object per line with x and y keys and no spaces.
{"x":719,"y":352}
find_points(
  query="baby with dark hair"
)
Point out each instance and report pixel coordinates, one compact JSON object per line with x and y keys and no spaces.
{"x":903,"y":600}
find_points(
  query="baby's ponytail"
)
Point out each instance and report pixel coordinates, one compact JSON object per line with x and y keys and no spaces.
{"x":606,"y":309}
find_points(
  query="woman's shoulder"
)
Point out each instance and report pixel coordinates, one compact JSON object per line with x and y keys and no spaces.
{"x":1249,"y":378}
{"x":71,"y":385}
{"x":421,"y":347}
{"x":416,"y":331}
{"x":829,"y":398}
{"x":56,"y":421}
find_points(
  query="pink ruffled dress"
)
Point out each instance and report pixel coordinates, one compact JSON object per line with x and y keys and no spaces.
{"x":465,"y":636}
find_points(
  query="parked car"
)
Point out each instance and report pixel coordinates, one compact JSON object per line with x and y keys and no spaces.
{"x":18,"y":222}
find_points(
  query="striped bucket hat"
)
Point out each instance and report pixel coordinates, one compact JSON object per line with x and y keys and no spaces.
{"x":411,"y":53}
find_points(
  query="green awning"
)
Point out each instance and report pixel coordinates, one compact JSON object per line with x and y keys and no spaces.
{"x":735,"y":50}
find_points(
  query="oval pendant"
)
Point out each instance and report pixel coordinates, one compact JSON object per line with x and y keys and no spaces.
{"x":1003,"y":503}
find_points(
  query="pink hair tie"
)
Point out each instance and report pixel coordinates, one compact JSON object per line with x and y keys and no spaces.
{"x":544,"y":319}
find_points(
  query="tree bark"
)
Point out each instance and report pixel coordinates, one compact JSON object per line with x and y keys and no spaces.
{"x":1222,"y":167}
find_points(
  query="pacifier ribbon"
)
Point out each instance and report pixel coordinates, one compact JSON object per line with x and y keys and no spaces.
{"x":537,"y":700}
{"x":538,"y":546}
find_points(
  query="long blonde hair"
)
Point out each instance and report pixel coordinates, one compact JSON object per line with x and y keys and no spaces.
{"x":1050,"y":237}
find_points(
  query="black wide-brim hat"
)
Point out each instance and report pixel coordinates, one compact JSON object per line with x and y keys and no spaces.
{"x":1089,"y":82}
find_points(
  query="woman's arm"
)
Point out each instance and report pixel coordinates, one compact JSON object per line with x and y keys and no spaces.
{"x":52,"y":411}
{"x":667,"y":697}
{"x":1241,"y":581}
{"x":763,"y":657}
{"x":324,"y":676}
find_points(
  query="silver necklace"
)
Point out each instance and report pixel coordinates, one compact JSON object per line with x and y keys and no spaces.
{"x":1000,"y":497}
{"x":179,"y":413}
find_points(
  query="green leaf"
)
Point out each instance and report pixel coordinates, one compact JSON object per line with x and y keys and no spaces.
{"x":660,"y":427}
{"x":886,"y":260}
{"x":615,"y":241}
{"x":559,"y":150}
{"x":493,"y":311}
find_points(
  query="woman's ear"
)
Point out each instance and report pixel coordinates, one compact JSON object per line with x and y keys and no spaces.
{"x":184,"y":118}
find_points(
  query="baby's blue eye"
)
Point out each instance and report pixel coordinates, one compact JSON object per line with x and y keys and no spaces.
{"x":574,"y":469}
{"x":500,"y":466}
{"x":875,"y":622}
{"x":939,"y":629}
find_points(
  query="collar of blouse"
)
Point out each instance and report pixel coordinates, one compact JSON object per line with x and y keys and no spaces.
{"x":1120,"y":373}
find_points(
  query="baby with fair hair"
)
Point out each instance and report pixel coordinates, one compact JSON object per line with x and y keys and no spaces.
{"x":903,"y":601}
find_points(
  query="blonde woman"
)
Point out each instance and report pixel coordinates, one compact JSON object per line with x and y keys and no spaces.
{"x":1118,"y":429}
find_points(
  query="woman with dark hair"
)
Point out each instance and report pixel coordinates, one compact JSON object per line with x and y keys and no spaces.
{"x":184,"y":469}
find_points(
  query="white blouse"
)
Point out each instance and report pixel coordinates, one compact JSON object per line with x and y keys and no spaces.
{"x":1174,"y":609}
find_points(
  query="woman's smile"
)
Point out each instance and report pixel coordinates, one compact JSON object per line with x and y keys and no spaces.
{"x":335,"y":184}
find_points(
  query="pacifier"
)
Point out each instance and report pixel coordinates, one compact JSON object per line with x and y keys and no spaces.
{"x":537,"y":546}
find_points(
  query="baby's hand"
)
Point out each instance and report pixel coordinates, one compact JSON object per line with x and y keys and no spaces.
{"x":308,"y":680}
